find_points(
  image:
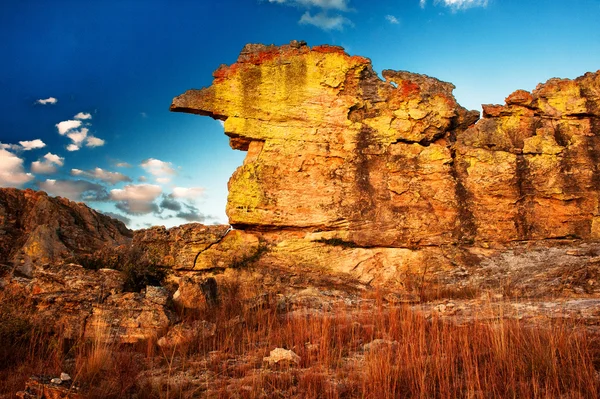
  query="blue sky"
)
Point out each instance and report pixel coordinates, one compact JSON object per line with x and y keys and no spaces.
{"x":86,"y":85}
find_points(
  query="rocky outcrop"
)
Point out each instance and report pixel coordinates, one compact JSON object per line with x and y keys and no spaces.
{"x":131,"y":317}
{"x":340,"y":154}
{"x":38,"y":229}
{"x":194,"y":246}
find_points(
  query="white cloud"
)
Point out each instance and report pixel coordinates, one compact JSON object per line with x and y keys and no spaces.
{"x":137,"y":199}
{"x":11,"y":147}
{"x":12,"y":173}
{"x":391,"y":19}
{"x":32,"y":145}
{"x":136,"y":192}
{"x":457,"y":4}
{"x":47,"y":164}
{"x":76,"y":190}
{"x":78,"y":135}
{"x":123,"y":165}
{"x":188,"y":193}
{"x":321,"y":18}
{"x":94,"y":142}
{"x":65,"y":126}
{"x":101,"y":174}
{"x":162,"y":171}
{"x":72,"y":147}
{"x":341,"y":5}
{"x":83,"y":115}
{"x":45,"y":101}
{"x":163,"y":180}
{"x":324,"y":21}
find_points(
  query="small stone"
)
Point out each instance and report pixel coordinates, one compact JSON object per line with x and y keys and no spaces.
{"x":65,"y":377}
{"x":282,"y":356}
{"x":56,"y":381}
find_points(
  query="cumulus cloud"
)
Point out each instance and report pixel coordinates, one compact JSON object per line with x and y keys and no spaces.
{"x":12,"y":173}
{"x":321,"y":18}
{"x":101,"y":174}
{"x":66,"y":126}
{"x":48,"y":164}
{"x":188,"y":193}
{"x":341,"y":5}
{"x":78,"y":135}
{"x":391,"y":19}
{"x":136,"y":192}
{"x":83,"y":115}
{"x":191,"y":214}
{"x":137,"y":207}
{"x":46,"y":101}
{"x":324,"y":21}
{"x":457,"y":4}
{"x":162,"y":171}
{"x":94,"y":142}
{"x":76,"y":190}
{"x":137,"y":199}
{"x":181,"y":202}
{"x":73,"y":129}
{"x":32,"y":145}
{"x":169,"y":203}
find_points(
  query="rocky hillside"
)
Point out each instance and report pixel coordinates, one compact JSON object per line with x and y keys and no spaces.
{"x":36,"y":228}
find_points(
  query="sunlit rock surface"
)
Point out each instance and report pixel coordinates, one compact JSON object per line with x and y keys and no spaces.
{"x":396,"y":162}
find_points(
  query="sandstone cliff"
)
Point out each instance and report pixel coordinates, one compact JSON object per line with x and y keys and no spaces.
{"x":338,"y":153}
{"x":36,"y":228}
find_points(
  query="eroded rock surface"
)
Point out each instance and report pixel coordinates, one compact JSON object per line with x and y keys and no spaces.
{"x":333,"y":149}
{"x":38,"y":229}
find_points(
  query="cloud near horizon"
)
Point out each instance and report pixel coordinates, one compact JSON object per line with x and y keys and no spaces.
{"x":75,"y":190}
{"x":161,"y":170}
{"x":137,"y":199}
{"x":12,"y":173}
{"x":48,"y":164}
{"x":102,"y":175}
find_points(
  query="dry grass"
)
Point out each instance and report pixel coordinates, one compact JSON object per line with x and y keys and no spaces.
{"x":410,"y":356}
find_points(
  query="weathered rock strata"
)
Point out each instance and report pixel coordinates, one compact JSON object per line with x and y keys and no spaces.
{"x":38,"y":229}
{"x":333,"y":150}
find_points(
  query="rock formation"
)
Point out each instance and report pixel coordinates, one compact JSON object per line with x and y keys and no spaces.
{"x":36,"y":228}
{"x":336,"y":153}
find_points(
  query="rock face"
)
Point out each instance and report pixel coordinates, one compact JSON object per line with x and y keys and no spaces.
{"x":194,"y":246}
{"x":36,"y":228}
{"x":335,"y":150}
{"x":131,"y":317}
